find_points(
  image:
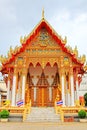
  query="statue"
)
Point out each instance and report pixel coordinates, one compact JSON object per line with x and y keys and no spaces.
{"x":7,"y":103}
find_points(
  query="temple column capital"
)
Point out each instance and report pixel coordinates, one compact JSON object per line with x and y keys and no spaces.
{"x":62,"y":62}
{"x":15,"y":70}
{"x":24,"y":70}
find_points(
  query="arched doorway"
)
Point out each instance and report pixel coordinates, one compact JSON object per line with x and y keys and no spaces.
{"x":42,"y":85}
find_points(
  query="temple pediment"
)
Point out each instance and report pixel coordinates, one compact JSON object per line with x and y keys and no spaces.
{"x":43,"y":39}
{"x":43,"y":42}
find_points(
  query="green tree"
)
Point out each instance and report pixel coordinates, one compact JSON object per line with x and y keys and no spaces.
{"x":85,"y":98}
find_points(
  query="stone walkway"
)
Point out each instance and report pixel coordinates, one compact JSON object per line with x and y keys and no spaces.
{"x":43,"y":126}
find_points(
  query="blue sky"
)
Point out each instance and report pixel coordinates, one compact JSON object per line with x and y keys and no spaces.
{"x":67,"y":17}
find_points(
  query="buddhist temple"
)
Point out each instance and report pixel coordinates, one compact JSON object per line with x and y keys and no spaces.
{"x":44,"y":68}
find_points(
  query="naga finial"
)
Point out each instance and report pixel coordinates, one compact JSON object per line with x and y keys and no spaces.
{"x":83,"y":59}
{"x":21,"y":40}
{"x":75,"y":51}
{"x":3,"y":59}
{"x":65,"y":40}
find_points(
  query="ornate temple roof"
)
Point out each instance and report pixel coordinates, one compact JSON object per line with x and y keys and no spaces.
{"x":12,"y":54}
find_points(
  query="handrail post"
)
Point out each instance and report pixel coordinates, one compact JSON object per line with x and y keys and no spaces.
{"x":62,"y":116}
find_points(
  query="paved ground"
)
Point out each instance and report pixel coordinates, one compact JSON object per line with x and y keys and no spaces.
{"x":43,"y":126}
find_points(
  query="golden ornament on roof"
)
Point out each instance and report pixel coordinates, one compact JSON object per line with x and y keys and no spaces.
{"x":3,"y":59}
{"x":21,"y":40}
{"x":16,"y":49}
{"x":25,"y":38}
{"x":85,"y":67}
{"x":9,"y":54}
{"x":11,"y":50}
{"x":65,"y":40}
{"x":70,"y":48}
{"x":1,"y":56}
{"x":83,"y":59}
{"x":75,"y":51}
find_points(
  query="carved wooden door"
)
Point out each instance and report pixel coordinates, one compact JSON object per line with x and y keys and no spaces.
{"x":42,"y":96}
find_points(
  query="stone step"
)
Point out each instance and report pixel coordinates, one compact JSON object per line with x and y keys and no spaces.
{"x":43,"y":115}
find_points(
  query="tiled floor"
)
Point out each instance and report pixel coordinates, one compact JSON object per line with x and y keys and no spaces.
{"x":43,"y":126}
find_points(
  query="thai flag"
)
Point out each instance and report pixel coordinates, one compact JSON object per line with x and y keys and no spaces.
{"x":20,"y":103}
{"x":59,"y":103}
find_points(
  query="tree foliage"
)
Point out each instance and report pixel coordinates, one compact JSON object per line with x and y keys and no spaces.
{"x":85,"y":98}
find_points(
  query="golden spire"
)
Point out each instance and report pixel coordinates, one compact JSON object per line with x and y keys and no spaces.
{"x":43,"y":13}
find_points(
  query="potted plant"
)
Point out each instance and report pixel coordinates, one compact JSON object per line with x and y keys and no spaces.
{"x":82,"y":115}
{"x":4,"y":114}
{"x":85,"y":97}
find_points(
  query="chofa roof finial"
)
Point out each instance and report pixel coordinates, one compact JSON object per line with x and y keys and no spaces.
{"x":43,"y":13}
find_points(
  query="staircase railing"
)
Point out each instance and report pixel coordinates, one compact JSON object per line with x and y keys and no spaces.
{"x":68,"y":110}
{"x":27,"y":110}
{"x":58,"y":110}
{"x":18,"y":110}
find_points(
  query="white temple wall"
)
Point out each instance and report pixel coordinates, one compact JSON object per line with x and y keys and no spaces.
{"x":83,"y":86}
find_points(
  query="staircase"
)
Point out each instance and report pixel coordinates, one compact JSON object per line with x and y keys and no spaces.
{"x":43,"y":115}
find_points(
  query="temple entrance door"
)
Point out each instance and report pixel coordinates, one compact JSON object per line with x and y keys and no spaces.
{"x":42,"y":91}
{"x":42,"y":97}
